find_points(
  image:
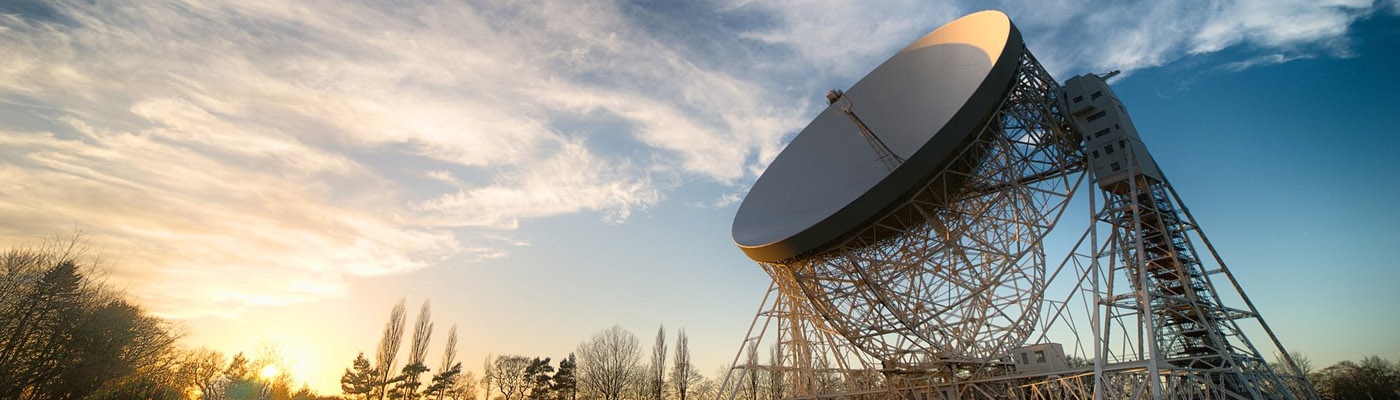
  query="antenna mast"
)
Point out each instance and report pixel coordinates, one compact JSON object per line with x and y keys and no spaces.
{"x":882,"y":151}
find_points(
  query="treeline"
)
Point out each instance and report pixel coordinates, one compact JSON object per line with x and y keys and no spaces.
{"x":1373,"y":378}
{"x":383,"y":379}
{"x":64,"y":335}
{"x":607,"y":366}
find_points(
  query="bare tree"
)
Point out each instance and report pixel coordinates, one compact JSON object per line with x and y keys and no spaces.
{"x":705,"y":388}
{"x":776,"y":384}
{"x":1295,"y":369}
{"x":201,"y":370}
{"x":509,"y":374}
{"x":683,"y":374}
{"x":606,"y":362}
{"x":488,"y":379}
{"x":751,"y":370}
{"x":385,"y":358}
{"x":1296,"y":363}
{"x":656,"y":375}
{"x":465,"y":388}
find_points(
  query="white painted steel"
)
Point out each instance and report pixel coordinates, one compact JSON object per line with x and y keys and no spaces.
{"x":924,"y":103}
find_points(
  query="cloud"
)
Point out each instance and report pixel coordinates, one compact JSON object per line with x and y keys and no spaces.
{"x":1268,"y":59}
{"x":180,"y":214}
{"x":842,"y":38}
{"x":274,"y":149}
{"x":1097,"y":36}
{"x":1275,"y":24}
{"x":573,"y":180}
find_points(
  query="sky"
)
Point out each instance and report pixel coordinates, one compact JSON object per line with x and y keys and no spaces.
{"x":272,"y":173}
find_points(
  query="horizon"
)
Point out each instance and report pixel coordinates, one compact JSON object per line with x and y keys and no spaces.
{"x":274,"y":174}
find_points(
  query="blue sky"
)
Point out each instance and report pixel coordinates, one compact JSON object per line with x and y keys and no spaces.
{"x":275,"y":172}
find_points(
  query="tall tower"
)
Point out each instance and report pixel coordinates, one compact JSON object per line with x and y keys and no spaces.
{"x":1156,"y":288}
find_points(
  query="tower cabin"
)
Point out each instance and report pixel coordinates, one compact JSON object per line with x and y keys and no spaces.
{"x":1110,"y":140}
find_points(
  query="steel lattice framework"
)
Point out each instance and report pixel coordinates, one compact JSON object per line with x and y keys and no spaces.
{"x":1160,"y":314}
{"x":927,"y":300}
{"x":949,"y":279}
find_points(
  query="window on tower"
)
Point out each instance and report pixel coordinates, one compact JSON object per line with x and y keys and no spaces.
{"x":1097,"y":115}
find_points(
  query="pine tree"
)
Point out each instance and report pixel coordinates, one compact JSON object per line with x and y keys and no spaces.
{"x":443,"y":381}
{"x":537,"y":377}
{"x":565,"y":382}
{"x":407,"y":386}
{"x":360,"y":381}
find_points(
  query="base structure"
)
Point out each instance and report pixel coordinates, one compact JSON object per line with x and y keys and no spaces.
{"x":961,"y":304}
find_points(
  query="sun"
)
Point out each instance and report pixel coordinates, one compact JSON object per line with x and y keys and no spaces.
{"x":269,"y":372}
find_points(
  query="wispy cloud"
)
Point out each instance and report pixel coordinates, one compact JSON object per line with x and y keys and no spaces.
{"x":1268,"y":59}
{"x":243,"y":145}
{"x":274,"y":149}
{"x":1075,"y":37}
{"x":843,"y":37}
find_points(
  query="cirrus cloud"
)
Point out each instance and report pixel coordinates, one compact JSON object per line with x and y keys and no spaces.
{"x":274,"y":149}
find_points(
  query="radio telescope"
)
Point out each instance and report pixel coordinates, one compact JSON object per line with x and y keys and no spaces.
{"x":903,"y":232}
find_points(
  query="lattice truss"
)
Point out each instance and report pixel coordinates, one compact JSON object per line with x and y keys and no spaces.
{"x":928,"y":301}
{"x":1160,"y":315}
{"x":949,"y":279}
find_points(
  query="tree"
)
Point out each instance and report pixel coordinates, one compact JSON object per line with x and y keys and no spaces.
{"x":1296,"y":363}
{"x":565,"y":385}
{"x":488,"y":376}
{"x":239,"y":368}
{"x":705,"y":388}
{"x":449,"y":353}
{"x":1294,"y":369}
{"x":406,"y":388}
{"x":656,"y":374}
{"x":537,"y":376}
{"x":64,"y":336}
{"x":683,"y":374}
{"x":359,"y":381}
{"x":388,"y":350}
{"x":1372,"y":378}
{"x":606,"y":362}
{"x":444,"y":381}
{"x":247,"y":378}
{"x":448,"y":372}
{"x":509,"y":374}
{"x":465,"y":387}
{"x":751,"y":370}
{"x":418,"y":349}
{"x":242,"y":378}
{"x":776,"y":384}
{"x":38,"y":329}
{"x":202,"y":370}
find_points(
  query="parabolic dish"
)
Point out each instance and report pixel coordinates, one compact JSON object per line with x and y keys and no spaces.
{"x":924,"y":103}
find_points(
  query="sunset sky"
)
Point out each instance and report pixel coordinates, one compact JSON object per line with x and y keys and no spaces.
{"x":272,"y":172}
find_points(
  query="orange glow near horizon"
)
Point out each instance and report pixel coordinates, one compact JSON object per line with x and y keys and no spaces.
{"x":269,"y":372}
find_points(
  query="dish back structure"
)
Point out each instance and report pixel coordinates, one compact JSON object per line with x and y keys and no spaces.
{"x":944,"y":292}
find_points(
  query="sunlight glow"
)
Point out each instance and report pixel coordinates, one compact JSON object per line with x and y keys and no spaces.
{"x":269,"y":372}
